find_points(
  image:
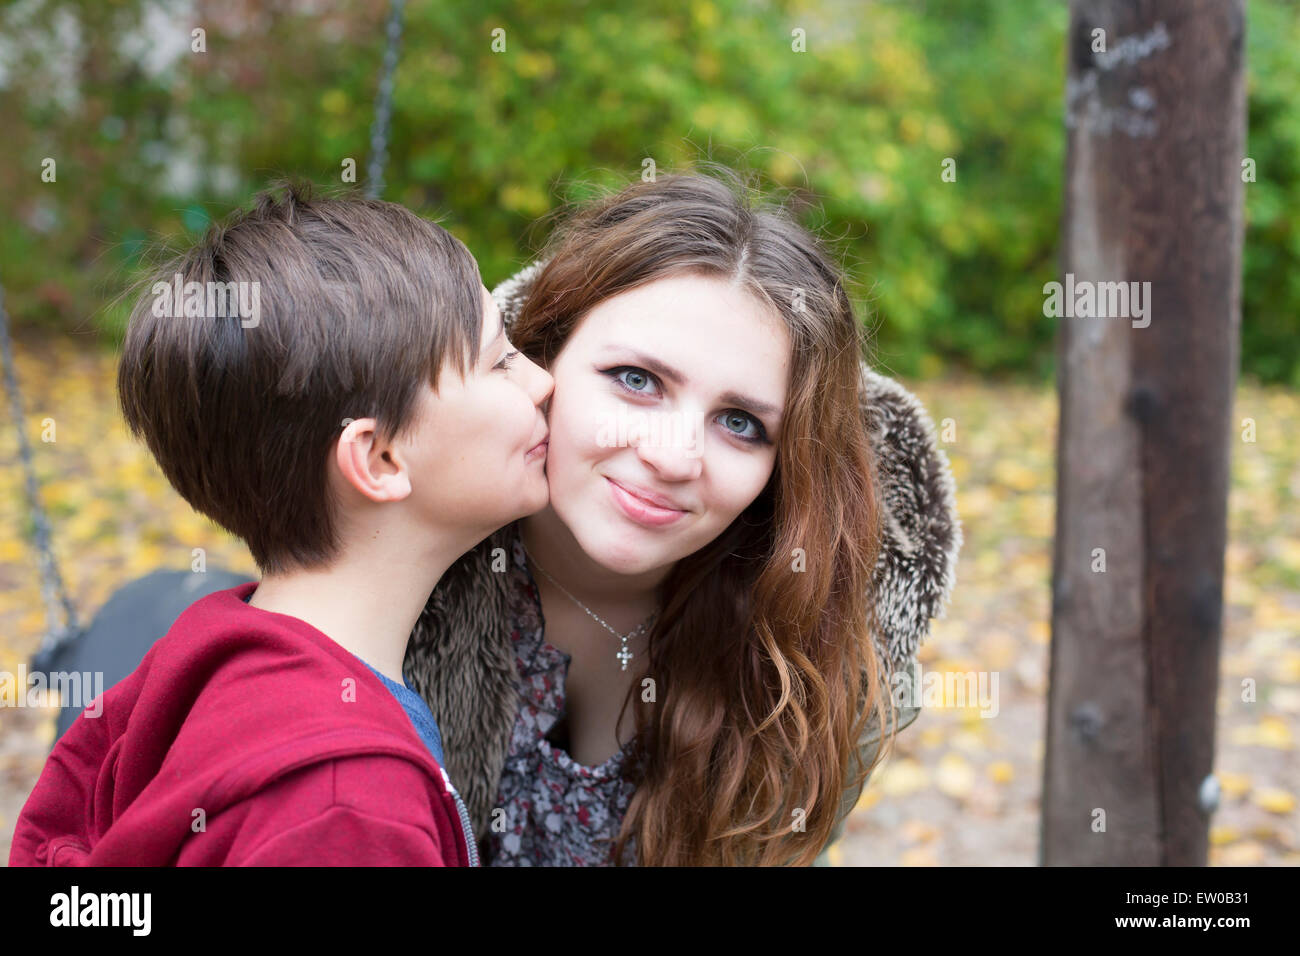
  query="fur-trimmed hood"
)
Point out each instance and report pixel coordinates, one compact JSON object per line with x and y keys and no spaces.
{"x":461,"y":657}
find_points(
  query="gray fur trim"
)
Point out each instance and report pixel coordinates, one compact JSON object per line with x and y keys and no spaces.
{"x":917,"y":566}
{"x":511,"y":293}
{"x":461,"y":661}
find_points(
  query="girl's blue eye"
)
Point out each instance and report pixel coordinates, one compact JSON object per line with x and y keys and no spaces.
{"x":640,"y":380}
{"x":758,"y":435}
{"x":506,"y":360}
{"x":644,"y":378}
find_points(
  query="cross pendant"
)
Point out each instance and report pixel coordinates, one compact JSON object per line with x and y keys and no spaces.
{"x":624,"y":655}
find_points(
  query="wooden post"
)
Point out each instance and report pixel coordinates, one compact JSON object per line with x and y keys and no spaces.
{"x":1155,"y":112}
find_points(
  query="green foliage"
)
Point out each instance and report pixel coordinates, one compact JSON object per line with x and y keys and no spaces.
{"x":854,"y":132}
{"x":1271,"y":271}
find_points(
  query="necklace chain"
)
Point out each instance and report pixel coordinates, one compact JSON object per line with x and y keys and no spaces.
{"x":623,"y":654}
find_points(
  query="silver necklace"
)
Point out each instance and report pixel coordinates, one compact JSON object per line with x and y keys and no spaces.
{"x":624,"y":654}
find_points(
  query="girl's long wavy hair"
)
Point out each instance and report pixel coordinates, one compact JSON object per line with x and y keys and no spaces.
{"x":763,"y":656}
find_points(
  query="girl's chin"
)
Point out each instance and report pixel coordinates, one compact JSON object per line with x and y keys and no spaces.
{"x":610,"y":540}
{"x":625,"y":551}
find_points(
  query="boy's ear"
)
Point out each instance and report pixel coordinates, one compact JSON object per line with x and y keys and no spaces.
{"x":370,"y":465}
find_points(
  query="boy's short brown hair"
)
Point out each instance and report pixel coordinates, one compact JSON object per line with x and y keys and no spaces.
{"x":359,"y":303}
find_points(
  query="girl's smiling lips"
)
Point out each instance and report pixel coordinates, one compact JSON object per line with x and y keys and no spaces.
{"x":644,"y":507}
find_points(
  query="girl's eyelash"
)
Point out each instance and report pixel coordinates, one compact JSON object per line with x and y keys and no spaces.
{"x":507,"y":359}
{"x":614,"y":373}
{"x":762,"y":438}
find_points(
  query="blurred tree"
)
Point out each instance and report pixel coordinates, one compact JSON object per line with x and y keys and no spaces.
{"x":1154,"y":206}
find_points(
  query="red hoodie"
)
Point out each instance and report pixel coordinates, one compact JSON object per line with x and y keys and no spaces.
{"x":244,"y":738}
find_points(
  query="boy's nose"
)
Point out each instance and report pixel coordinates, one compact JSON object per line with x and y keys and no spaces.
{"x":542,"y":384}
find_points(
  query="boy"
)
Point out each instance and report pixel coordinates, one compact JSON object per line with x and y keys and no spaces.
{"x":364,"y":429}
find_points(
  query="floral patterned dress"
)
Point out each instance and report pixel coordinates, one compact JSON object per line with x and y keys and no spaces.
{"x":557,"y":811}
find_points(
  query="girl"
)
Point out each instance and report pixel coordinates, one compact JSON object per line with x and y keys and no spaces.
{"x":689,"y":656}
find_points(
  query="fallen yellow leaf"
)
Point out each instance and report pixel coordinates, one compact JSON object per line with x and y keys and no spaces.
{"x":918,"y":856}
{"x":1223,"y":835}
{"x":903,"y":778}
{"x":931,"y":737}
{"x":1233,"y":784}
{"x":1274,"y":800}
{"x":870,"y":797}
{"x":1040,"y":632}
{"x":918,"y":831}
{"x":1015,"y":475}
{"x":1001,"y":771}
{"x":1245,"y":853}
{"x":1276,"y":733}
{"x":954,"y":776}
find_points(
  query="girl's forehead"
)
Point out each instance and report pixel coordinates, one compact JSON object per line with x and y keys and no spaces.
{"x":690,"y":304}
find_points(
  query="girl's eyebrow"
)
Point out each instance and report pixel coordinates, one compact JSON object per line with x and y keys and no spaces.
{"x":730,"y":398}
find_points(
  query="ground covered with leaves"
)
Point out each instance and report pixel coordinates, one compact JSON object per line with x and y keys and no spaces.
{"x":958,"y":788}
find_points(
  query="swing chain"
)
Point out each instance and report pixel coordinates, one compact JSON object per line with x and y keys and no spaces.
{"x":53,"y":591}
{"x":384,"y":105}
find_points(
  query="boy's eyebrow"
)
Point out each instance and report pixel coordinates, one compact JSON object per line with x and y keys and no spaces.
{"x":501,"y":331}
{"x":731,"y":398}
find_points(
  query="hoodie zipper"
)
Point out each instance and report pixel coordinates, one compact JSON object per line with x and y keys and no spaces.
{"x":470,"y":846}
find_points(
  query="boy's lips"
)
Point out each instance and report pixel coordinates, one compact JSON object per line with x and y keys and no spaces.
{"x":539,"y":450}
